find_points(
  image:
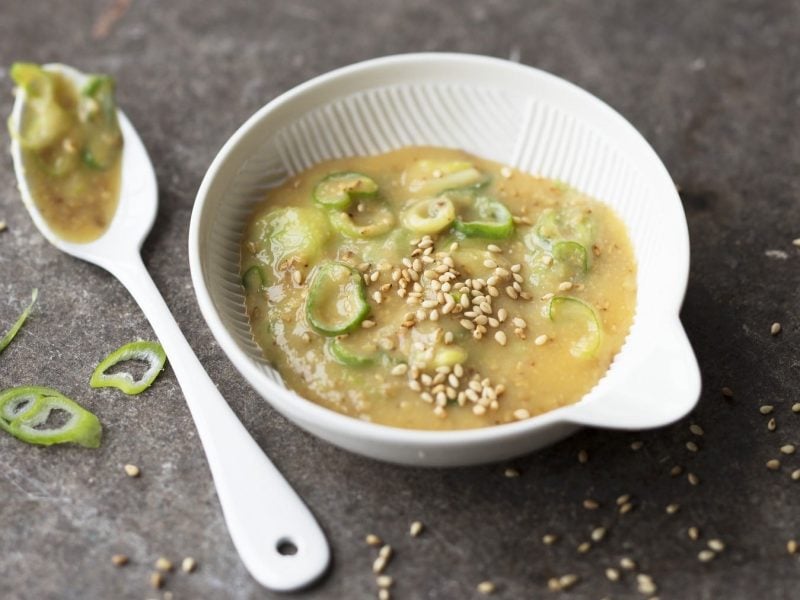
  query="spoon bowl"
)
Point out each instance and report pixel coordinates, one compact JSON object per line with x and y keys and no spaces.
{"x":265,"y":517}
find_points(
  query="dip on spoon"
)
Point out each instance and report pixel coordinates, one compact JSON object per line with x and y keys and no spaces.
{"x":71,"y":147}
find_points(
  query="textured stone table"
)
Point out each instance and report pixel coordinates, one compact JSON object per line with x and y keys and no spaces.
{"x":715,"y":88}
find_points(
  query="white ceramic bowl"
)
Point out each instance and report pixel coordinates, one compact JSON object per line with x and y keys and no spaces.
{"x":499,"y":110}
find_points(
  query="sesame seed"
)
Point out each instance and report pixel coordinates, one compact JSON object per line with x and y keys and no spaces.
{"x":693,"y":479}
{"x":673,"y":508}
{"x":693,"y":533}
{"x":796,"y":407}
{"x":541,"y":340}
{"x":612,"y":574}
{"x":379,"y":565}
{"x":367,"y":323}
{"x":478,"y":410}
{"x":625,"y":508}
{"x":119,"y":560}
{"x":773,"y":464}
{"x":590,"y":504}
{"x":788,"y":449}
{"x":500,"y":338}
{"x":727,"y":392}
{"x":132,"y":470}
{"x":637,"y":445}
{"x":584,"y":547}
{"x":521,"y":414}
{"x":567,"y":581}
{"x":306,"y":337}
{"x":676,"y":470}
{"x":384,"y":581}
{"x":706,"y":555}
{"x":467,"y":324}
{"x":696,"y":429}
{"x":547,"y":260}
{"x":795,"y":474}
{"x":494,"y":248}
{"x":384,"y":594}
{"x":692,"y":447}
{"x":766,"y":409}
{"x":373,"y":540}
{"x":3,"y":226}
{"x":163,"y":564}
{"x":489,"y":264}
{"x":519,"y":322}
{"x":297,"y":277}
{"x":156,"y":580}
{"x":553,"y":585}
{"x":716,"y":545}
{"x":188,"y":564}
{"x":549,"y":539}
{"x":505,"y":172}
{"x":623,"y":499}
{"x":645,"y":584}
{"x":564,"y":286}
{"x":775,"y":328}
{"x":791,"y":547}
{"x":583,"y":457}
{"x":627,"y":563}
{"x":772,"y":424}
{"x":598,"y":534}
{"x":512,"y":293}
{"x":416,"y":528}
{"x":486,"y":587}
{"x":511,"y":473}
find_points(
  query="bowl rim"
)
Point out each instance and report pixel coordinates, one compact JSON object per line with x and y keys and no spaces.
{"x":306,"y":412}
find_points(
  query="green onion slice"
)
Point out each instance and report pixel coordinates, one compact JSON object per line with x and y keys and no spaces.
{"x":343,"y":353}
{"x":149,"y":352}
{"x":572,"y":255}
{"x":377,"y":219}
{"x":429,"y":216}
{"x":337,"y":299}
{"x":338,"y":190}
{"x":493,"y":220}
{"x":12,"y":333}
{"x":579,"y":322}
{"x":43,"y":121}
{"x":253,"y":279}
{"x":25,"y":412}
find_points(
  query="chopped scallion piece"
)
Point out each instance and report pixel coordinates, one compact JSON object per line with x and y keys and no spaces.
{"x":26,"y":411}
{"x":149,"y":352}
{"x":11,"y":334}
{"x":337,"y":300}
{"x":579,"y":322}
{"x":338,"y":190}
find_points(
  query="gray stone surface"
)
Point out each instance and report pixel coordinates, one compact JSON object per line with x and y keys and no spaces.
{"x":716,"y":89}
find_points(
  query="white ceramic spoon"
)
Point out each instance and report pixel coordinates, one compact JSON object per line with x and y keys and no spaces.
{"x":265,"y":517}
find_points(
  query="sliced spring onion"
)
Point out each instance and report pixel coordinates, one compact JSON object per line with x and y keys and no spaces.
{"x":432,"y":177}
{"x":572,"y":255}
{"x":98,"y":111}
{"x":429,"y":216}
{"x":579,"y":322}
{"x":149,"y":352}
{"x":344,"y":354}
{"x":253,"y":279}
{"x":492,"y":220}
{"x":293,"y":233}
{"x":571,"y":223}
{"x":337,"y":299}
{"x":12,"y":333}
{"x":43,"y":121}
{"x":338,"y":190}
{"x":377,"y":219}
{"x":25,"y":411}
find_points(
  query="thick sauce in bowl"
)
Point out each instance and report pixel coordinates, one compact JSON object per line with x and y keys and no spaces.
{"x":431,"y":289}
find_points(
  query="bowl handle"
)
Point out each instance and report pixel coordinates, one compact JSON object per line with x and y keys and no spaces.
{"x":658,"y":387}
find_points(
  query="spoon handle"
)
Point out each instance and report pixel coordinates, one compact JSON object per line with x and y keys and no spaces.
{"x":276,"y":535}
